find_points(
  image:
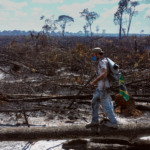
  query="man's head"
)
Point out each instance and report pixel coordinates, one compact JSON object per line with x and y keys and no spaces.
{"x":97,"y":53}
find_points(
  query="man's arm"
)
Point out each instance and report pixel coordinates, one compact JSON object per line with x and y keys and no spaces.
{"x":100,"y":77}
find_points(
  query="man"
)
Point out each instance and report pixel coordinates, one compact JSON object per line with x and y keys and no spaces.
{"x":101,"y":95}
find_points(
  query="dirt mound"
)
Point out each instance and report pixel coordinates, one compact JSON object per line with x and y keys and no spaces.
{"x":126,"y":108}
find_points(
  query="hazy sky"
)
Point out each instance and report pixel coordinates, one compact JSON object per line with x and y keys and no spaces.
{"x":25,"y":14}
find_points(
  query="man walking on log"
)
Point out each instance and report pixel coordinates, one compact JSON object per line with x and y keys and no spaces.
{"x":101,"y":95}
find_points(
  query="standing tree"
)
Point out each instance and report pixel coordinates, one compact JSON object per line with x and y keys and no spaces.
{"x":118,"y":16}
{"x":124,"y":31}
{"x":49,"y":24}
{"x":85,"y":30}
{"x":148,"y":17}
{"x":131,"y":12}
{"x":141,"y":32}
{"x":90,"y":17}
{"x":97,"y":29}
{"x":103,"y":32}
{"x":63,"y":20}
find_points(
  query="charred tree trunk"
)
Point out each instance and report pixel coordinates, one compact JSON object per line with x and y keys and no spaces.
{"x":127,"y":132}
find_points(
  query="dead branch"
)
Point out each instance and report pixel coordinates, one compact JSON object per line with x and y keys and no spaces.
{"x":82,"y":89}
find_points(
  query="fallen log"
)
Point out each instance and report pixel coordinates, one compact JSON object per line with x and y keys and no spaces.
{"x":147,"y":95}
{"x":20,"y":110}
{"x":128,"y":132}
{"x":97,"y":144}
{"x":66,"y":97}
{"x":46,"y":95}
{"x":143,"y":108}
{"x":40,"y":99}
{"x":132,"y":82}
{"x":143,"y":100}
{"x":37,"y":108}
{"x":103,"y":143}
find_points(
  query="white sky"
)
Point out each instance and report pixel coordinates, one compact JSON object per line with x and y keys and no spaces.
{"x":25,"y":14}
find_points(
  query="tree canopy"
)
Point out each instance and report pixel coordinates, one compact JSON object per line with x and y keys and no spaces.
{"x":90,"y":17}
{"x":63,"y":20}
{"x":118,"y":16}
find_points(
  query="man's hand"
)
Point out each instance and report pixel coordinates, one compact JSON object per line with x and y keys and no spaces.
{"x":100,"y":77}
{"x":92,"y":83}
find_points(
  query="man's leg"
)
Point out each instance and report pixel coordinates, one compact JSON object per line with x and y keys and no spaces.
{"x":107,"y":106}
{"x":95,"y":106}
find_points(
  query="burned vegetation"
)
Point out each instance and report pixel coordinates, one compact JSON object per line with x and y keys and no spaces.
{"x":44,"y":83}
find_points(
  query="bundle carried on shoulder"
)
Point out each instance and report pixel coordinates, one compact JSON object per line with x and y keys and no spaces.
{"x":114,"y":72}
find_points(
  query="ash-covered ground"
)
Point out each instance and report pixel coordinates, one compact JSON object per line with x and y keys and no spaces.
{"x":52,"y":113}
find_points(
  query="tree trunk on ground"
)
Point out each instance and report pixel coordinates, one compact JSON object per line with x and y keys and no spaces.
{"x":66,"y":97}
{"x":127,"y":132}
{"x":103,"y":143}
